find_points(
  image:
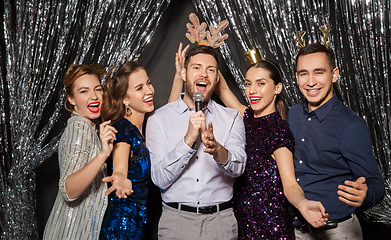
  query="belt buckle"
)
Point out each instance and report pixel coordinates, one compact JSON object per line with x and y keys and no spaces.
{"x":198,"y":211}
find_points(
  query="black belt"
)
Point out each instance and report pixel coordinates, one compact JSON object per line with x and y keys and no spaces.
{"x":330,"y":224}
{"x":203,"y":209}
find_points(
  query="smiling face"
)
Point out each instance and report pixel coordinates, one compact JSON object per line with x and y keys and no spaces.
{"x":139,"y":95}
{"x":201,"y":75}
{"x":87,"y":96}
{"x":261,"y":91}
{"x":315,"y":78}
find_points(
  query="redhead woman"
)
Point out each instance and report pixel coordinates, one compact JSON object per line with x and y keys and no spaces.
{"x":81,"y":203}
{"x":128,"y":97}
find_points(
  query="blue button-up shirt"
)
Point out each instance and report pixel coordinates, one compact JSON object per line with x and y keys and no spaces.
{"x":333,"y":144}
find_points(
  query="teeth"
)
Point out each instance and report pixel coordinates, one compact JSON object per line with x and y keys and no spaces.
{"x":94,"y":105}
{"x":255,"y":99}
{"x":202,"y":83}
{"x":313,"y":90}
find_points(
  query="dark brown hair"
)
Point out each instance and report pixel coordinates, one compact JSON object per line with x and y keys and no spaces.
{"x":275,"y":75}
{"x":200,"y":49}
{"x":315,"y":48}
{"x":73,"y":73}
{"x":116,"y":87}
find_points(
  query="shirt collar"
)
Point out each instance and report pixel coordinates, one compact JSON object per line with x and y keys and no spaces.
{"x":322,"y":111}
{"x":182,"y":106}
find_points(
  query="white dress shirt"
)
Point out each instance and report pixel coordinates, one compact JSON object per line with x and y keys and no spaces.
{"x":190,"y":176}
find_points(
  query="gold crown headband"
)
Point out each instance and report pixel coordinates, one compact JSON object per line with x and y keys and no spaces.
{"x":253,"y":56}
{"x":323,"y":40}
{"x":197,"y":32}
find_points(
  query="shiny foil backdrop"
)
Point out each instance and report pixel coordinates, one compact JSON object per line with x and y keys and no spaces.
{"x":40,"y":39}
{"x":360,"y":38}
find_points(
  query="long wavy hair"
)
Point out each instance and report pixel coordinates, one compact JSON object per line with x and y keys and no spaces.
{"x":117,"y":83}
{"x":73,"y":73}
{"x":275,"y":75}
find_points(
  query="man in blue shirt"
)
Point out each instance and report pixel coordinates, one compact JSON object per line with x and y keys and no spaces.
{"x":333,"y":158}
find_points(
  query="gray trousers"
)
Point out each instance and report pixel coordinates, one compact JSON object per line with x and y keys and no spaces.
{"x":346,"y":230}
{"x":177,"y":224}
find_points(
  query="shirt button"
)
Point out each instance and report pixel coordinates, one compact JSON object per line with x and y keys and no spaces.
{"x":297,"y":179}
{"x":309,"y":119}
{"x":197,"y":180}
{"x":198,"y":203}
{"x":300,"y":162}
{"x":302,"y":139}
{"x":196,"y":157}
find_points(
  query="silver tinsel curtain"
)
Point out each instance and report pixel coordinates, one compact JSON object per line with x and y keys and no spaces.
{"x":360,"y":37}
{"x":41,"y":39}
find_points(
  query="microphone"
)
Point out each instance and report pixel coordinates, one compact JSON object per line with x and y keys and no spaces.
{"x":198,"y":99}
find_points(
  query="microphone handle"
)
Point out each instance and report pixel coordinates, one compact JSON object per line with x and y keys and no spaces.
{"x":198,"y":105}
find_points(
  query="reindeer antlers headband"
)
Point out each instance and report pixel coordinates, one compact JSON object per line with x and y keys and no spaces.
{"x":97,"y":69}
{"x":323,"y":40}
{"x":197,"y":33}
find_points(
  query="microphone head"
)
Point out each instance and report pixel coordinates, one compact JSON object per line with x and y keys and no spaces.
{"x":198,"y":97}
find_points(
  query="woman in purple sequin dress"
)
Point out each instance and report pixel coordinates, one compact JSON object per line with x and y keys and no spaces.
{"x":263,"y":191}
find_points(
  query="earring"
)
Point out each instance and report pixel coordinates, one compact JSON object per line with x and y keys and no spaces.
{"x":128,"y":111}
{"x":67,"y":99}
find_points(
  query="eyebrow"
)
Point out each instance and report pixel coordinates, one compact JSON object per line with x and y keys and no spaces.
{"x":199,"y":64}
{"x":138,"y":85}
{"x":319,"y":69}
{"x":260,"y":79}
{"x":256,"y":80}
{"x":301,"y":71}
{"x":82,"y":88}
{"x":315,"y":70}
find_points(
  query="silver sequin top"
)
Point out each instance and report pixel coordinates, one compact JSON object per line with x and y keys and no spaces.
{"x":79,"y":218}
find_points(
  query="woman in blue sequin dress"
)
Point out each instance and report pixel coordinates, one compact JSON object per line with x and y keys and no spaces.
{"x":261,"y":193}
{"x":128,"y":97}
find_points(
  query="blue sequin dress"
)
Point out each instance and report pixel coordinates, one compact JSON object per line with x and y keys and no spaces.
{"x":260,"y":204}
{"x":126,"y":218}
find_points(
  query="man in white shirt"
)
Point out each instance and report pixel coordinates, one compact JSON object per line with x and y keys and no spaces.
{"x":196,"y":156}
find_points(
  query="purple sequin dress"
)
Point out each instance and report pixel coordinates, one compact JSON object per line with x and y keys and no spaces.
{"x":260,"y":204}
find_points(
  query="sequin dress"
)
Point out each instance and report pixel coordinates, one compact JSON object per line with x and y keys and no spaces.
{"x":80,"y":218}
{"x":260,"y":204}
{"x":126,"y":218}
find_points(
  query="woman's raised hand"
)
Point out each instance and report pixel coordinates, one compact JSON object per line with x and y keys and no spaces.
{"x":107,"y":137}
